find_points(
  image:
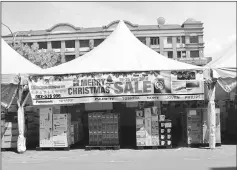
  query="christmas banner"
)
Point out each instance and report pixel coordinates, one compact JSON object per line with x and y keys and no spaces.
{"x":117,"y":87}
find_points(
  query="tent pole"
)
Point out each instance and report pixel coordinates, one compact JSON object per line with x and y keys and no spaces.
{"x":21,"y":142}
{"x":212,"y":114}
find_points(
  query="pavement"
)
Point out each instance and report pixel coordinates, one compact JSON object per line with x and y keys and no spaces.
{"x":123,"y":159}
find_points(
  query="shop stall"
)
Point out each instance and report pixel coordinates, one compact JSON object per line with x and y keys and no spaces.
{"x":124,"y":90}
{"x":222,"y":72}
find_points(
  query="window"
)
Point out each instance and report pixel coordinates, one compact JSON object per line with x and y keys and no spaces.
{"x":84,"y":43}
{"x":70,"y":44}
{"x":193,"y":39}
{"x":183,"y":54}
{"x":142,"y":39}
{"x":69,"y":57}
{"x":29,"y":44}
{"x":183,"y":39}
{"x":169,"y":40}
{"x":155,"y":41}
{"x":179,"y":53}
{"x":194,"y":54}
{"x":42,"y":45}
{"x":97,"y":42}
{"x":178,"y":39}
{"x":170,"y":54}
{"x":56,"y":44}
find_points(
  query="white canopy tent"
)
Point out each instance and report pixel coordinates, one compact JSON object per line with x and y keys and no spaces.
{"x":13,"y":64}
{"x":120,"y":52}
{"x":224,"y":68}
{"x":14,"y":69}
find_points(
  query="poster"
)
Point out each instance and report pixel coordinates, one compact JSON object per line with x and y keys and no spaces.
{"x":116,"y":87}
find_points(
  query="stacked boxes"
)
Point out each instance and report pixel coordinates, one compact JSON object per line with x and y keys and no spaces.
{"x":77,"y":133}
{"x":9,"y":135}
{"x":197,"y":126}
{"x":155,"y":127}
{"x":55,"y":128}
{"x":147,"y":114}
{"x":140,"y":128}
{"x":194,"y":126}
{"x":165,"y":132}
{"x":32,"y":116}
{"x":46,"y":127}
{"x":147,"y":127}
{"x":62,"y":130}
{"x":103,"y":129}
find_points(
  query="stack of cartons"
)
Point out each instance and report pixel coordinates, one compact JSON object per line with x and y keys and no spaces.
{"x":116,"y":129}
{"x":46,"y":127}
{"x":165,"y":133}
{"x":75,"y":131}
{"x":10,"y":135}
{"x":103,"y":129}
{"x":32,"y":134}
{"x":140,"y":128}
{"x":72,"y":134}
{"x":194,"y":126}
{"x":61,"y":130}
{"x":155,"y":126}
{"x":147,"y":114}
{"x":80,"y":134}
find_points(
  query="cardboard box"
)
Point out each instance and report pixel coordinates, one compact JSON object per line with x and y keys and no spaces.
{"x":139,"y":113}
{"x":147,"y":112}
{"x":141,"y":142}
{"x":148,"y":141}
{"x":141,"y":134}
{"x":155,"y":140}
{"x":162,"y":142}
{"x":161,"y":118}
{"x":9,"y":144}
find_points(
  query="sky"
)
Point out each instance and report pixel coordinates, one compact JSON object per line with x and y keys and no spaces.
{"x":219,"y":18}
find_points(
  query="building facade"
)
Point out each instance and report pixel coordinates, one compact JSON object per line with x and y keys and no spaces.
{"x":180,"y":42}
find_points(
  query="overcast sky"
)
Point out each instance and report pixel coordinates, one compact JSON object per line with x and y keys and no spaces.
{"x":219,"y":18}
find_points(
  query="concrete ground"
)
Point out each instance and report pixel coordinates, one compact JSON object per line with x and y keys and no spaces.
{"x":124,"y":159}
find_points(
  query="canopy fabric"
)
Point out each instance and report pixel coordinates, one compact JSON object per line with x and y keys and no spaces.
{"x":120,"y":52}
{"x":8,"y":92}
{"x":225,"y":65}
{"x":14,"y":64}
{"x":224,"y":68}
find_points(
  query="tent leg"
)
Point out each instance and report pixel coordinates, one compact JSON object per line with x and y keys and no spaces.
{"x":212,"y":116}
{"x":21,"y":142}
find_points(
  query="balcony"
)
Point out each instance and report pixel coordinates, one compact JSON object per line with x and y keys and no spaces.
{"x":69,"y":49}
{"x":42,"y":50}
{"x":167,"y":45}
{"x":57,"y":50}
{"x":84,"y":49}
{"x":200,"y":61}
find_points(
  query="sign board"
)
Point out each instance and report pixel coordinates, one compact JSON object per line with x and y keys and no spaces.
{"x":117,"y":87}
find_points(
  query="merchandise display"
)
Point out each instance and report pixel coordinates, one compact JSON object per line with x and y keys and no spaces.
{"x":32,"y":125}
{"x":9,"y":127}
{"x":103,"y":129}
{"x":197,"y":126}
{"x":147,"y":126}
{"x":165,"y":132}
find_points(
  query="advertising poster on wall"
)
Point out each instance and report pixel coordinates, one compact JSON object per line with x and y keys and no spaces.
{"x":117,"y":87}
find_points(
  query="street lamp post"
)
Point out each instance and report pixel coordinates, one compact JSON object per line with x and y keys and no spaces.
{"x":13,"y":36}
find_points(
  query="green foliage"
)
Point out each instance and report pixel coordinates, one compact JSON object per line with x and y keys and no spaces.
{"x":39,"y":57}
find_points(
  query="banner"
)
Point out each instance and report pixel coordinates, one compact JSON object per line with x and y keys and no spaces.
{"x":117,"y":87}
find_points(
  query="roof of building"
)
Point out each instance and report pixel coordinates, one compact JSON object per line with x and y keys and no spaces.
{"x":108,"y":27}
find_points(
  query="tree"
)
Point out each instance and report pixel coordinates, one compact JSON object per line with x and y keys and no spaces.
{"x":39,"y":57}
